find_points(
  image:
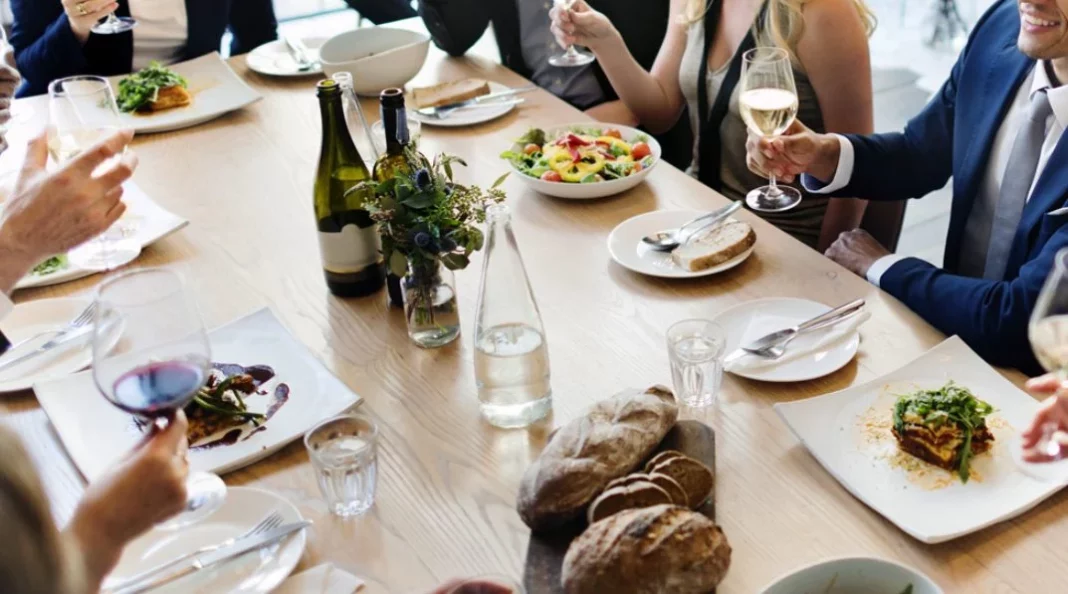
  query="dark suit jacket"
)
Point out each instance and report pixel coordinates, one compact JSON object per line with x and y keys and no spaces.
{"x":953,"y":137}
{"x":46,"y":49}
{"x":455,"y":25}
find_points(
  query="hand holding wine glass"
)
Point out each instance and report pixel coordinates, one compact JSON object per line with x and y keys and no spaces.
{"x":769,"y":104}
{"x":564,"y":26}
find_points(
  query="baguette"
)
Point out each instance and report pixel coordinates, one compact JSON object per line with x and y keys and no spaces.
{"x":726,"y":242}
{"x":608,"y":442}
{"x":653,"y":550}
{"x":450,"y":92}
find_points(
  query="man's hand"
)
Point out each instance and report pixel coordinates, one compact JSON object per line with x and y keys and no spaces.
{"x":856,"y":250}
{"x":50,"y":213}
{"x":141,"y":491}
{"x":799,"y":150}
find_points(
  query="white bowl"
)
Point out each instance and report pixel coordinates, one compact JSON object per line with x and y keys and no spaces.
{"x":576,"y":191}
{"x":377,"y":57}
{"x":853,"y":575}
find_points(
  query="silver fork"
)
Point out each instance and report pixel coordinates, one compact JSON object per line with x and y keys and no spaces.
{"x":270,"y":522}
{"x":441,"y":113}
{"x":777,"y":351}
{"x":83,"y":318}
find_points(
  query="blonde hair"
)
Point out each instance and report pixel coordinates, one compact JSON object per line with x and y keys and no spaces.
{"x":783,"y":22}
{"x":35,"y":558}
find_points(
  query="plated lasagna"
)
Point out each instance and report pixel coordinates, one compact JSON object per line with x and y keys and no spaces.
{"x":945,"y":427}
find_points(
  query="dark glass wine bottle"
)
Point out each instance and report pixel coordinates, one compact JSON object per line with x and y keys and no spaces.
{"x":393,"y":161}
{"x":348,"y":238}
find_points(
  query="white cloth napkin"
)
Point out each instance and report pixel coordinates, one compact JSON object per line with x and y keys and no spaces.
{"x":324,"y":579}
{"x":799,"y":347}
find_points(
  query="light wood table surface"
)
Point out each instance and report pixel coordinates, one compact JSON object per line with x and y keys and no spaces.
{"x":447,"y":480}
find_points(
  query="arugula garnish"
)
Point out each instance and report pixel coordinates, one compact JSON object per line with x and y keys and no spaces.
{"x":141,"y":88}
{"x":53,"y":264}
{"x":949,"y":404}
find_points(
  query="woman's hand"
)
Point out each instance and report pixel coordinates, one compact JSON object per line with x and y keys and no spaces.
{"x":83,"y":14}
{"x":1053,"y":412}
{"x":138,"y":493}
{"x":582,"y":25}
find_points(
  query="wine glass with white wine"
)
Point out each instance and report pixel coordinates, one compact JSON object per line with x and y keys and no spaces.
{"x":572,"y":57}
{"x":82,"y":112}
{"x":769,"y":105}
{"x":1047,"y":460}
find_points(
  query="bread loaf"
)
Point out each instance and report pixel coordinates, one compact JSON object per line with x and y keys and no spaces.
{"x":694,"y":477}
{"x":582,"y":457}
{"x":633,"y":496}
{"x":726,"y":242}
{"x":654,"y":550}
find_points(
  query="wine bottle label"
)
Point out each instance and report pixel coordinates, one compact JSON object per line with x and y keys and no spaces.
{"x":350,"y":250}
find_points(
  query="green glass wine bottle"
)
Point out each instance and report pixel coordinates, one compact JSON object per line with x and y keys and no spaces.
{"x":348,"y":239}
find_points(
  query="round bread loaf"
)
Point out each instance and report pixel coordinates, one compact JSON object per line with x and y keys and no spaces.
{"x":664,"y":549}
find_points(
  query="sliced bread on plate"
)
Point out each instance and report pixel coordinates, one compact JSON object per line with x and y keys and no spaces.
{"x":450,"y":92}
{"x":725,"y":242}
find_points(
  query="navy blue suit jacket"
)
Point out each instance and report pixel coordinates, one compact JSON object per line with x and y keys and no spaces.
{"x":953,"y":137}
{"x":46,"y":49}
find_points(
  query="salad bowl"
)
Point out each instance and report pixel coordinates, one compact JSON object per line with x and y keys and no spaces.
{"x":602,"y":160}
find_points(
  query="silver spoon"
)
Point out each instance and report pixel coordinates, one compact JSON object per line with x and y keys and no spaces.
{"x":665,"y":241}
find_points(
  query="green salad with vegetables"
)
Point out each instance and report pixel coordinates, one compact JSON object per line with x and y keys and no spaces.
{"x":580,"y":155}
{"x":141,"y":88}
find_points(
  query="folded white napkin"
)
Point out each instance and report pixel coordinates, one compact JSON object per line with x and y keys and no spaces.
{"x":324,"y":579}
{"x":799,"y":347}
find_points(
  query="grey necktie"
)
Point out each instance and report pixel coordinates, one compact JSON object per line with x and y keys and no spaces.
{"x":1016,"y":185}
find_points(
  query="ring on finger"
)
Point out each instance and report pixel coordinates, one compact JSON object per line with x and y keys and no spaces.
{"x":80,"y":7}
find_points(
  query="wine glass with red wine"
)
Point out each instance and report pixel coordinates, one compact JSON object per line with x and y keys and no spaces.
{"x":158,"y":366}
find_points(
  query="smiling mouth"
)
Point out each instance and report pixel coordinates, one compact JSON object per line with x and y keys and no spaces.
{"x":1035,"y":21}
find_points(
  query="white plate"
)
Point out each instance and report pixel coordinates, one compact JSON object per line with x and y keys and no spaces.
{"x":273,"y":59}
{"x":97,"y":434}
{"x":752,"y":320}
{"x":45,"y":315}
{"x":257,"y":571}
{"x":147,"y":222}
{"x":848,"y":432}
{"x":853,"y":575}
{"x":216,"y":90}
{"x":467,"y":117}
{"x":627,"y":249}
{"x":573,"y":191}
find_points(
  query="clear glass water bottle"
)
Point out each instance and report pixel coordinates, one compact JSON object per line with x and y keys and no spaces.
{"x":511,"y":356}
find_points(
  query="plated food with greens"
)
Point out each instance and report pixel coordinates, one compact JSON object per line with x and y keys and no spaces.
{"x":580,"y":161}
{"x":945,"y":427}
{"x":152,"y":89}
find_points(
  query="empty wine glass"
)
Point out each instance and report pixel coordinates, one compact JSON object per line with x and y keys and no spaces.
{"x":1048,"y":333}
{"x":83,"y":112}
{"x":114,"y":24}
{"x":768,"y":104}
{"x":572,"y":57}
{"x":159,"y":365}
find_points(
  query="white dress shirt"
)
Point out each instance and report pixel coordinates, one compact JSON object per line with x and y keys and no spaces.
{"x":1037,"y":80}
{"x":161,"y":33}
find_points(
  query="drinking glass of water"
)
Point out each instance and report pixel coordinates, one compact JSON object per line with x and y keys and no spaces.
{"x":695,"y":349}
{"x":344,"y":454}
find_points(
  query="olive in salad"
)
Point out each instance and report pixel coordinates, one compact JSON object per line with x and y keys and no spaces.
{"x":579,"y":155}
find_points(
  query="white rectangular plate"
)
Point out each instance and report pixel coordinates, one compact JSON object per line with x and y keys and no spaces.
{"x":96,"y":434}
{"x":149,"y":222}
{"x":849,"y":434}
{"x":216,"y":90}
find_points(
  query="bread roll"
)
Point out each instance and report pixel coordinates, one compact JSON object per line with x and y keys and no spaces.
{"x":726,"y":242}
{"x":654,"y":550}
{"x":606,"y":443}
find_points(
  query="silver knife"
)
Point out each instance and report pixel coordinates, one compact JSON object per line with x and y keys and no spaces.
{"x":489,"y":97}
{"x":49,"y":346}
{"x":299,"y":51}
{"x":215,"y":557}
{"x":764,"y":342}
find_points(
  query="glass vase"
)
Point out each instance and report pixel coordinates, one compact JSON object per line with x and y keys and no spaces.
{"x":430,"y":305}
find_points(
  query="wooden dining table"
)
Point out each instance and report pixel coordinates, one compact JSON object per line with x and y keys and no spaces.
{"x":447,"y":480}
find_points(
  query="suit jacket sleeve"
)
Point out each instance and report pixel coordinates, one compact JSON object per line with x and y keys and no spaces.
{"x":45,"y":46}
{"x":253,"y":24}
{"x":455,"y":25}
{"x":991,"y":316}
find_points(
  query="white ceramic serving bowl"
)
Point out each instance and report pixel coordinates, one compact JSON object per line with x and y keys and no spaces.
{"x":853,"y":575}
{"x":377,"y":57}
{"x":573,"y":191}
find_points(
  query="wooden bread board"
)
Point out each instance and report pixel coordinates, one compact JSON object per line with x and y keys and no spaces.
{"x":545,"y":553}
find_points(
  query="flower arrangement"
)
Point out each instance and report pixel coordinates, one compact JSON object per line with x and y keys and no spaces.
{"x":425,"y":217}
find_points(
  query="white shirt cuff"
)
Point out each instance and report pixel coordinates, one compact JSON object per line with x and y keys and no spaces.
{"x":879,"y":268}
{"x":842,"y":175}
{"x":6,"y":305}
